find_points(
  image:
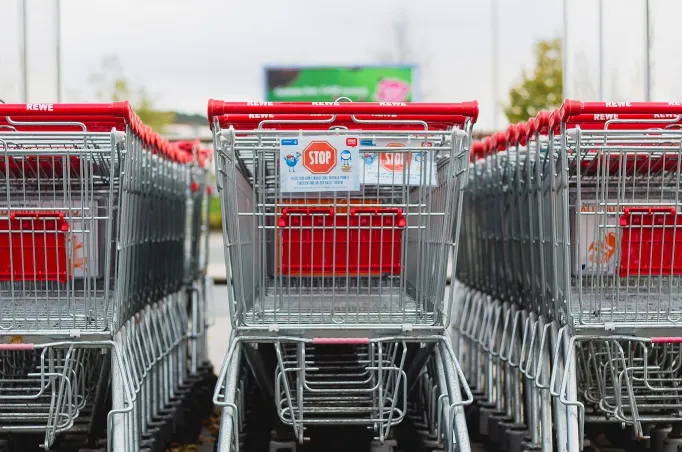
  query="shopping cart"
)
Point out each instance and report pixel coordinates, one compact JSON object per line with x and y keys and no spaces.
{"x":594,"y":186}
{"x":92,"y":232}
{"x":199,"y":283}
{"x":339,"y":220}
{"x":504,"y":329}
{"x":361,"y":239}
{"x":618,"y":269}
{"x":92,"y":218}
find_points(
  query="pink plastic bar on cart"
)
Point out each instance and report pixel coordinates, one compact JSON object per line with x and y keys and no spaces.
{"x":340,"y":340}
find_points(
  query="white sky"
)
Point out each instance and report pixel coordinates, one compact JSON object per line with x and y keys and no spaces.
{"x":624,"y":60}
{"x":186,"y":51}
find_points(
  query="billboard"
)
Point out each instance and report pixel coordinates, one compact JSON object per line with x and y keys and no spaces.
{"x":326,"y":84}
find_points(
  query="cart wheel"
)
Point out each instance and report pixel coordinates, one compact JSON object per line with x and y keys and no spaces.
{"x":589,"y":446}
{"x":617,"y":437}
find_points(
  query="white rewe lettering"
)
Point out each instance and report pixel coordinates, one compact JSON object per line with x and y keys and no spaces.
{"x":325,"y":103}
{"x":259,"y":116}
{"x":675,"y":104}
{"x":618,"y":104}
{"x":40,"y":107}
{"x":259,"y":104}
{"x":665,"y":116}
{"x":605,"y":117}
{"x":393,"y":104}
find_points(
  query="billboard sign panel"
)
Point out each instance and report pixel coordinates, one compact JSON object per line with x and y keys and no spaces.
{"x":326,"y":84}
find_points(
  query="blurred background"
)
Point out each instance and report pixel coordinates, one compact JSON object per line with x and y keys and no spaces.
{"x":168,"y":57}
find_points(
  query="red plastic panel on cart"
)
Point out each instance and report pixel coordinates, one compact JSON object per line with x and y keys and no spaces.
{"x":37,"y":241}
{"x":651,"y":244}
{"x":315,"y":241}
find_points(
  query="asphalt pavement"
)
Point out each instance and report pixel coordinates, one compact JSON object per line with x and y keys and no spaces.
{"x":219,"y":332}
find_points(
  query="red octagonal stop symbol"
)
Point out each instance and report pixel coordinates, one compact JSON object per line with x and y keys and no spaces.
{"x":394,"y":161}
{"x":319,"y":157}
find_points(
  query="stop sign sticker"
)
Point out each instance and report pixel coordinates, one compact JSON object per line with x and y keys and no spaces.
{"x":319,"y":164}
{"x":394,"y":161}
{"x":319,"y":157}
{"x":411,"y":166}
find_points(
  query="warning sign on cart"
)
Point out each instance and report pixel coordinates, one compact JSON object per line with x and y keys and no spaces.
{"x":390,"y":168}
{"x":319,"y":164}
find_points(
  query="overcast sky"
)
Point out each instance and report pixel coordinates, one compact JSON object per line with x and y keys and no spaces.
{"x":186,"y":51}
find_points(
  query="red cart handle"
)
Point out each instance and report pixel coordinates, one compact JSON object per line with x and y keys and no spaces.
{"x":531,"y":128}
{"x":499,"y":140}
{"x":542,"y":122}
{"x":251,"y":121}
{"x":512,"y":134}
{"x":113,"y":109}
{"x":187,"y":146}
{"x":598,"y":121}
{"x":478,"y":149}
{"x":218,"y":108}
{"x":572,"y":108}
{"x":205,"y":155}
{"x":518,"y":134}
{"x":488,"y":145}
{"x":554,"y":121}
{"x":101,"y":116}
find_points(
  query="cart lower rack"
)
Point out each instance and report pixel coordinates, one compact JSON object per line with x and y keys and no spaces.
{"x":328,"y":382}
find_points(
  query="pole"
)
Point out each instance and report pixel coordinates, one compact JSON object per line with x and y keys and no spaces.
{"x":58,"y":26}
{"x":647,"y":73}
{"x":24,"y":58}
{"x":564,"y":53}
{"x":601,"y":50}
{"x":494,"y":32}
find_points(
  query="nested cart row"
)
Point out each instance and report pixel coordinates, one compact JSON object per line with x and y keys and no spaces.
{"x":103,"y":288}
{"x":569,"y":296}
{"x":339,"y":222}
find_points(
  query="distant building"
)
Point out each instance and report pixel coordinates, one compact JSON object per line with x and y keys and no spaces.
{"x":189,"y":127}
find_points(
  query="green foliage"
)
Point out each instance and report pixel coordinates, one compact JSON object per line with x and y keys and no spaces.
{"x":155,"y":119}
{"x":215,"y":219}
{"x":112,"y":86}
{"x":541,"y":90}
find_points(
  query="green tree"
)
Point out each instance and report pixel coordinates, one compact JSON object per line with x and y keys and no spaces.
{"x":112,"y":86}
{"x":540,"y":90}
